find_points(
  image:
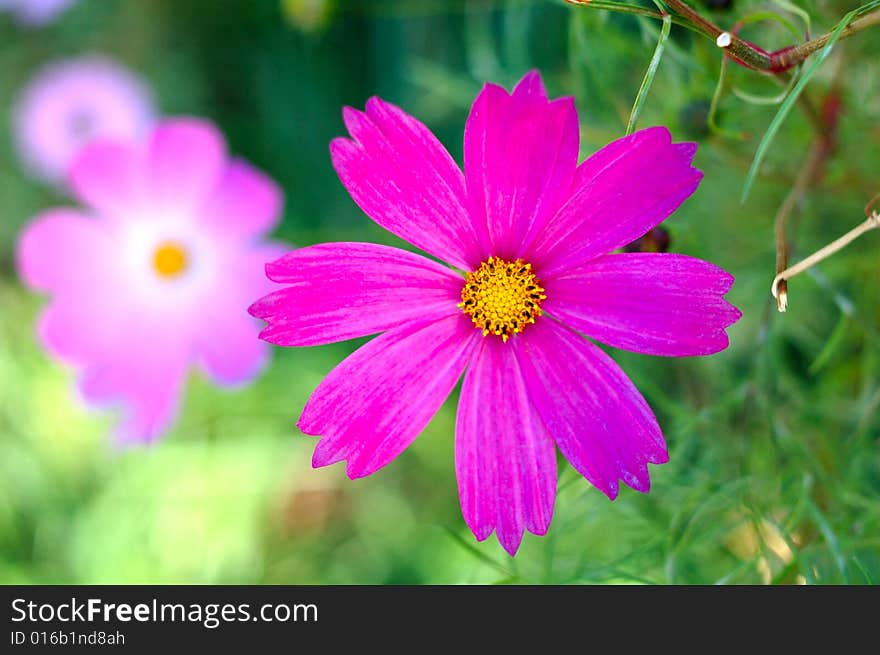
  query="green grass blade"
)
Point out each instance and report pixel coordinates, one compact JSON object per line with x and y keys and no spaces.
{"x":830,"y":538}
{"x":832,"y":345}
{"x":649,"y":75}
{"x":788,"y":103}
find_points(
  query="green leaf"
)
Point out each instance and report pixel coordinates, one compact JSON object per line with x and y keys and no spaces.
{"x":649,"y":75}
{"x":834,"y":343}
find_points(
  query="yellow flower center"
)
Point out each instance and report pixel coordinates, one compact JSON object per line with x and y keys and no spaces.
{"x":502,"y":297}
{"x":170,"y":259}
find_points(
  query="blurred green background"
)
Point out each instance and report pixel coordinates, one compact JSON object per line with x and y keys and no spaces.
{"x":774,"y":444}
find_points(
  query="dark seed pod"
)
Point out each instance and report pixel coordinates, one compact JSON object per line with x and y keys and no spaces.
{"x":657,"y":240}
{"x":694,"y":118}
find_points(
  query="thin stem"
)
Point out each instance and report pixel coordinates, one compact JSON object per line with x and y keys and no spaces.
{"x":872,"y":223}
{"x":821,"y":149}
{"x":802,"y":183}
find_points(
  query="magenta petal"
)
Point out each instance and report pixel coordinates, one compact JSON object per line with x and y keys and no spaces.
{"x":62,"y":248}
{"x":377,"y":401}
{"x":520,"y":154}
{"x":186,"y":159}
{"x":653,"y":303}
{"x":403,"y":178}
{"x":621,"y":192}
{"x":341,"y":291}
{"x":106,"y":175}
{"x":505,"y":459}
{"x":246,"y":202}
{"x":598,"y":418}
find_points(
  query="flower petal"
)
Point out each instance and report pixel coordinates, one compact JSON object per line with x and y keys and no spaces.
{"x":105,"y":175}
{"x":124,"y":355}
{"x":654,"y":303}
{"x":341,"y":291}
{"x":228,"y":348}
{"x":62,"y":248}
{"x":377,"y":401}
{"x":505,"y":459}
{"x":245,"y":202}
{"x":621,"y":192}
{"x":231,"y":354}
{"x":520,"y":154}
{"x":186,"y":160}
{"x":403,"y":178}
{"x":598,"y":418}
{"x":146,"y":383}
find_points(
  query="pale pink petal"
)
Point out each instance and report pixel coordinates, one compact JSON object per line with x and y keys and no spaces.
{"x":231,"y":353}
{"x":73,"y":102}
{"x":653,"y":303}
{"x":598,"y":418}
{"x":63,"y":248}
{"x":340,"y":291}
{"x":244,"y":204}
{"x":403,"y":178}
{"x":505,"y":460}
{"x":124,"y":355}
{"x":620,"y":193}
{"x":520,"y":154}
{"x":107,"y":176}
{"x":144,"y":383}
{"x":377,"y":401}
{"x":229,"y":349}
{"x":187,"y":156}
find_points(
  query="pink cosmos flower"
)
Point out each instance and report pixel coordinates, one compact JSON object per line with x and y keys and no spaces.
{"x":35,"y":13}
{"x":157,"y":271}
{"x":532,"y":231}
{"x":70,"y":103}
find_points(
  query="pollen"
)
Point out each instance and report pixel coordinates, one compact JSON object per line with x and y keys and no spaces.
{"x":502,"y":297}
{"x":170,"y":260}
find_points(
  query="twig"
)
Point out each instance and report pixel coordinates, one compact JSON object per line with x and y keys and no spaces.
{"x":872,"y":223}
{"x":743,"y":52}
{"x":809,"y":173}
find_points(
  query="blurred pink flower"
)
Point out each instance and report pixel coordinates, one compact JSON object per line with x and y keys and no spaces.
{"x":35,"y":12}
{"x":532,"y":230}
{"x":70,"y":103}
{"x":157,"y":271}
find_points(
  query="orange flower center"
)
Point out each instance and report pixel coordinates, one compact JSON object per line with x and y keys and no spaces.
{"x":502,"y":297}
{"x":170,"y":260}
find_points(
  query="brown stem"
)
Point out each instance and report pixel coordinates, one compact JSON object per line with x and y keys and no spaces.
{"x":791,"y":201}
{"x":740,"y":50}
{"x":745,"y":52}
{"x":872,"y":223}
{"x":790,"y":57}
{"x":808,"y":176}
{"x":778,"y":61}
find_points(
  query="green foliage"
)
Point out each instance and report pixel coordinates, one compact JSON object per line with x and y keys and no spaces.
{"x":774,"y":473}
